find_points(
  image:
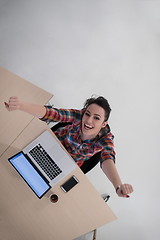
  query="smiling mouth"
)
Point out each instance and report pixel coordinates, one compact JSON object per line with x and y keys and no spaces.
{"x":87,"y":127}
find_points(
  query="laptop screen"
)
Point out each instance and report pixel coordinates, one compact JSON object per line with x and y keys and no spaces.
{"x":31,"y":176}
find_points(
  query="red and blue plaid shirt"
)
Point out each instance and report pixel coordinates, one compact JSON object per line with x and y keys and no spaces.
{"x":70,"y":136}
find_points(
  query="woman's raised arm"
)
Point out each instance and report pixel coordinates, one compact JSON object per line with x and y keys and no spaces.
{"x":14,"y":103}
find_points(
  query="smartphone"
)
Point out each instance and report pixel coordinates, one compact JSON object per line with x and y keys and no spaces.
{"x":69,"y":184}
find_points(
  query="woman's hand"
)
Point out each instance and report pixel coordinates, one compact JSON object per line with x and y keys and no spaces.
{"x":123,"y":190}
{"x":14,"y":103}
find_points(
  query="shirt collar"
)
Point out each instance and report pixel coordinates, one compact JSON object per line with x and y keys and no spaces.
{"x":104,"y":131}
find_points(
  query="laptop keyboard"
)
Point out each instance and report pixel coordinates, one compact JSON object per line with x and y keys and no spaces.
{"x":45,"y":162}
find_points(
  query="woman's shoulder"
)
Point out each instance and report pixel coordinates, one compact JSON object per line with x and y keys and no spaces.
{"x":106,"y":133}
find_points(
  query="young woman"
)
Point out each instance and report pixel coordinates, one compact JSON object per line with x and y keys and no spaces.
{"x":87,"y":134}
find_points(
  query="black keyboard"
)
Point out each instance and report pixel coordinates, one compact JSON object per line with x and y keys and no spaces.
{"x":45,"y":162}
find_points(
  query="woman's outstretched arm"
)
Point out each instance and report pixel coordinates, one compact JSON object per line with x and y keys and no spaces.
{"x":14,"y":103}
{"x":111,"y":172}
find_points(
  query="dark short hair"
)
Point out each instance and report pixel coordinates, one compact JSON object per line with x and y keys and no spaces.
{"x":100,"y":101}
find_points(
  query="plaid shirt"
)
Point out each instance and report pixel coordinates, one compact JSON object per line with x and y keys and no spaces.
{"x":70,"y":136}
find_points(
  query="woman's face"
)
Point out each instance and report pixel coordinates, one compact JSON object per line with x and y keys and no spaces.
{"x":92,"y":121}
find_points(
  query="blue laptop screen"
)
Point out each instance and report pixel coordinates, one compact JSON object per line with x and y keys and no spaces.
{"x":30,"y":174}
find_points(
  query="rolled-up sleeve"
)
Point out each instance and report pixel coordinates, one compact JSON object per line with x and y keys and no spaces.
{"x":107,"y":154}
{"x":61,"y":115}
{"x":108,"y":151}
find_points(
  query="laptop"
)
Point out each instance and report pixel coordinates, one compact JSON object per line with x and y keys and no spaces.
{"x":43,"y":163}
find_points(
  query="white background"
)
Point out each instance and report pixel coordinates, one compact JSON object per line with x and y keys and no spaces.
{"x":76,"y":48}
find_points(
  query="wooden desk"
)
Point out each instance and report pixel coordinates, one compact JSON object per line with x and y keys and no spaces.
{"x":24,"y":216}
{"x":11,"y":125}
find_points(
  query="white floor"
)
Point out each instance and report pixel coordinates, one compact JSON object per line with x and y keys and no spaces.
{"x":76,"y":48}
{"x":88,"y":236}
